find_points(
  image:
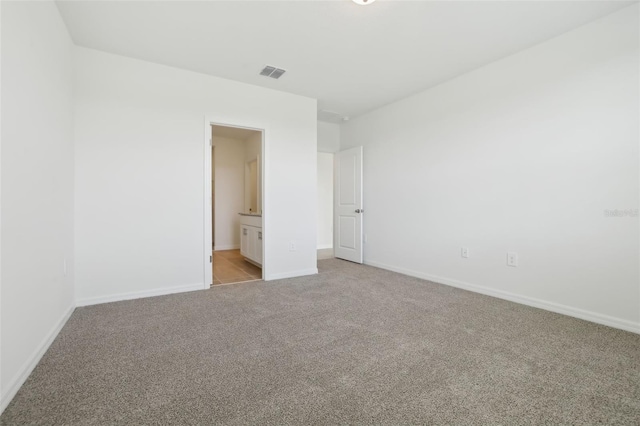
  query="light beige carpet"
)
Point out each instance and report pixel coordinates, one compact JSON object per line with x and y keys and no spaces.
{"x":352,"y":345}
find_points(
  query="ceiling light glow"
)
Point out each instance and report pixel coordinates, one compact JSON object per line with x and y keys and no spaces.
{"x":363,"y":2}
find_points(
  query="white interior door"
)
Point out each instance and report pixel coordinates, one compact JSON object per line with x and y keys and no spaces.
{"x":348,"y":205}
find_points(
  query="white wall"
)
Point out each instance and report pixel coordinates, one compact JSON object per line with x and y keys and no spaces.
{"x":522,"y":155}
{"x":253,"y":146}
{"x":229,"y":193}
{"x":325,"y":200}
{"x":253,"y":150}
{"x":328,"y":137}
{"x":140,"y":177}
{"x":37,"y":186}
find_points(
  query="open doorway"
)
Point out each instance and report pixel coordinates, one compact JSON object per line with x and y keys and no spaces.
{"x":325,"y":205}
{"x":236,"y":204}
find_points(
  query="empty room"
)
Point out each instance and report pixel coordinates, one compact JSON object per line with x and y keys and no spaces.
{"x":319,"y":212}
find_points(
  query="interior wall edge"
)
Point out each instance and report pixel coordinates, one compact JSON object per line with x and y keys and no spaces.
{"x":139,"y":294}
{"x":23,"y":374}
{"x":558,"y":308}
{"x":293,"y":274}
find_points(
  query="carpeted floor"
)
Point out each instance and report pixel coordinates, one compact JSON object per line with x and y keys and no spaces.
{"x":352,"y":345}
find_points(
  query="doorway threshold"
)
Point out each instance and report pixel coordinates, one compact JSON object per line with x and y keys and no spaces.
{"x":239,"y":282}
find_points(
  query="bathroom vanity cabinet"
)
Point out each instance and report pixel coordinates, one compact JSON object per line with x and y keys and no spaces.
{"x":251,"y":237}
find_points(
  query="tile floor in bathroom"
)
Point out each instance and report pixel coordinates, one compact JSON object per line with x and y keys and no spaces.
{"x":229,"y":266}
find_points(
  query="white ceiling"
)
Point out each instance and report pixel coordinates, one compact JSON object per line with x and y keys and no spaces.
{"x":351,"y":58}
{"x":232,"y":132}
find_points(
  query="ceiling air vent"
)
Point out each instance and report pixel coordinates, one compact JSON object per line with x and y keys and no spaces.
{"x":272,"y":72}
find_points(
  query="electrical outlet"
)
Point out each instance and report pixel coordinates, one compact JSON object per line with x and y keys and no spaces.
{"x":464,"y":252}
{"x":292,"y":246}
{"x":512,"y":259}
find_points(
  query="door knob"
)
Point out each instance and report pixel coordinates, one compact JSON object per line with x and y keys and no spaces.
{"x":359,"y":210}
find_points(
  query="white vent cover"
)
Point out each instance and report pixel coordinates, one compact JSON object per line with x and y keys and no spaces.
{"x":272,"y":72}
{"x":267,"y":71}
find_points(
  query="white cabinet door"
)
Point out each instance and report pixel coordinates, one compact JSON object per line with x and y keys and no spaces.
{"x":251,"y":243}
{"x":258,"y":258}
{"x":245,"y":238}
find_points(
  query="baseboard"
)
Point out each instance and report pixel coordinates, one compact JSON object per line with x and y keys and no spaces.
{"x":322,"y":254}
{"x":524,"y":300}
{"x":27,"y":368}
{"x":138,"y":294}
{"x":325,"y":246}
{"x":292,"y":274}
{"x":226,"y":247}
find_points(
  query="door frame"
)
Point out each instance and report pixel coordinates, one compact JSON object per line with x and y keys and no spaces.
{"x":207,"y":198}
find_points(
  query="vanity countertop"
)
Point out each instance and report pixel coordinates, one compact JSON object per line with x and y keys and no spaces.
{"x":250,"y":214}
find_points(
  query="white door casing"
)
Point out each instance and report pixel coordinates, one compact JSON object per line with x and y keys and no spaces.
{"x":208,"y":195}
{"x":348,"y":209}
{"x":208,"y":205}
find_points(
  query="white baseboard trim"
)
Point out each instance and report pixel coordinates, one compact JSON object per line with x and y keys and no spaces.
{"x":524,"y":300}
{"x":138,"y":294}
{"x":326,"y":253}
{"x":23,"y":374}
{"x":325,"y":246}
{"x":226,"y":247}
{"x":292,"y":274}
